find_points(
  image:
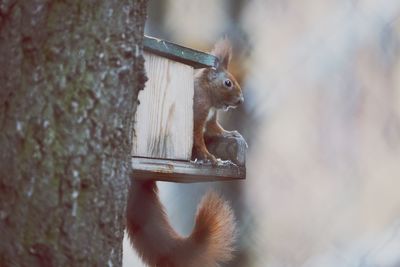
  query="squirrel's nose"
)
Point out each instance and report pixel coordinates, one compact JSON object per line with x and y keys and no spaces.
{"x":240,"y":101}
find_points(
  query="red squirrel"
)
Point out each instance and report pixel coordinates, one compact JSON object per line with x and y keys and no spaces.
{"x":214,"y":232}
{"x":214,"y":88}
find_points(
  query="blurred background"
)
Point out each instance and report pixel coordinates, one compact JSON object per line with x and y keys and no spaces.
{"x":321,"y":81}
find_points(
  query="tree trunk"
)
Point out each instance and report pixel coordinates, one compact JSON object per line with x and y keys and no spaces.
{"x":70,"y":72}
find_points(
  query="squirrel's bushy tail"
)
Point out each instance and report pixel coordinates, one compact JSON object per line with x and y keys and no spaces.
{"x":215,"y":227}
{"x":210,"y":243}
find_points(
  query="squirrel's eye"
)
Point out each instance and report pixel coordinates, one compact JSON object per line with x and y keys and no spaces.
{"x":228,"y":83}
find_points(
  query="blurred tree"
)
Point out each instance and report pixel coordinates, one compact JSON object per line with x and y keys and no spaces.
{"x":70,"y":73}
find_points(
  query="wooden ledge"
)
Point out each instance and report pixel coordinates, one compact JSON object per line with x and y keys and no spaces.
{"x":184,"y":171}
{"x":185,"y":55}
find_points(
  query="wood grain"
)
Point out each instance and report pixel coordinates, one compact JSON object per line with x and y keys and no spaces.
{"x":164,"y":118}
{"x":184,"y":171}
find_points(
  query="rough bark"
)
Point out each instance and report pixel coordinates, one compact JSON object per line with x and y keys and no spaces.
{"x":70,"y":72}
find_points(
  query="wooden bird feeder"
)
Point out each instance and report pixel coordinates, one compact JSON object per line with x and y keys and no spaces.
{"x":163,"y":140}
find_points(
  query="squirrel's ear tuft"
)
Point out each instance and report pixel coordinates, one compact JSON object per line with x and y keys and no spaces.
{"x":223,"y":51}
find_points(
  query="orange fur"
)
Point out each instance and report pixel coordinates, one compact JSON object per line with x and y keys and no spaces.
{"x":210,"y":94}
{"x":210,"y":243}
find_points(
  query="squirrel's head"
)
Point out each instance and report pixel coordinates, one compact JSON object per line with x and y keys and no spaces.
{"x":225,"y":90}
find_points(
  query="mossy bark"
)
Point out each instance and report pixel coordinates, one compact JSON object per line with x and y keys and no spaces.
{"x":70,"y":72}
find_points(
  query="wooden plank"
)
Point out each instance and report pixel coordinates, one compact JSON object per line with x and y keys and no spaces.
{"x":184,"y":171}
{"x":182,"y":54}
{"x":164,"y":118}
